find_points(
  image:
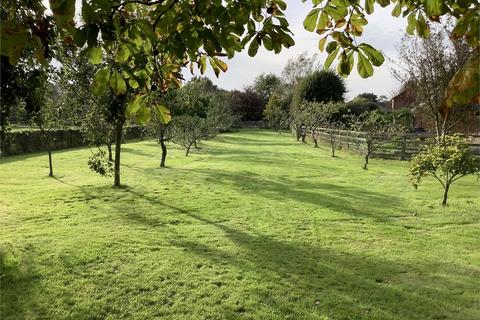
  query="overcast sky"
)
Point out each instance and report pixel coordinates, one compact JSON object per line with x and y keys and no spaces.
{"x":383,"y":32}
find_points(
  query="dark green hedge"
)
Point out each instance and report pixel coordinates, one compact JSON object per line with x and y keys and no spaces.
{"x":20,"y":142}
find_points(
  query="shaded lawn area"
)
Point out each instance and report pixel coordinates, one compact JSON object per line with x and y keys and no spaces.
{"x":252,"y":226}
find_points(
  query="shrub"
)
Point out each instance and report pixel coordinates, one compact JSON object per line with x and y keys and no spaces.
{"x":447,"y":160}
{"x":320,"y":86}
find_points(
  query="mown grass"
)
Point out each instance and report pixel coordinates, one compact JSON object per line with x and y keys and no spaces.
{"x":252,"y":226}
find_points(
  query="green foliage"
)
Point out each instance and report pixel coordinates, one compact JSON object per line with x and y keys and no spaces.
{"x":368,"y":96}
{"x":265,"y":85}
{"x":150,"y":41}
{"x":276,"y":111}
{"x":340,"y":22}
{"x":99,"y":163}
{"x":447,"y":160}
{"x":361,"y":105}
{"x":247,"y":104}
{"x":376,"y":129}
{"x":189,"y":130}
{"x":320,"y":86}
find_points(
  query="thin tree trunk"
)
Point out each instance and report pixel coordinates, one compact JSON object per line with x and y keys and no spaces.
{"x":367,"y":157}
{"x":118,"y":146}
{"x":332,"y":145}
{"x":49,"y":147}
{"x":164,"y":153}
{"x":445,"y":194}
{"x":3,"y":141}
{"x":188,"y":150}
{"x":109,"y":147}
{"x":50,"y":174}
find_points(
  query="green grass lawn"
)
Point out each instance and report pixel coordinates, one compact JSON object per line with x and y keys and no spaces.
{"x":253,"y":226}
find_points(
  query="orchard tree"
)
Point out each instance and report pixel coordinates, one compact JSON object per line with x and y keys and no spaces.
{"x":86,"y":110}
{"x":376,"y":130}
{"x":40,"y":111}
{"x":320,"y":86}
{"x":161,"y":128}
{"x":447,"y":160}
{"x":331,"y":121}
{"x":299,"y":117}
{"x":220,"y":113}
{"x":190,"y":130}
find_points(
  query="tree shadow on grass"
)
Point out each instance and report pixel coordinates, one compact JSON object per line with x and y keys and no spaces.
{"x":18,"y":285}
{"x":295,"y":275}
{"x":353,"y":201}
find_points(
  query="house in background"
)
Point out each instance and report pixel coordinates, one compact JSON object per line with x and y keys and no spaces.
{"x":406,"y":99}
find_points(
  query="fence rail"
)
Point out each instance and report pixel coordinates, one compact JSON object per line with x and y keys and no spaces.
{"x":400,"y":149}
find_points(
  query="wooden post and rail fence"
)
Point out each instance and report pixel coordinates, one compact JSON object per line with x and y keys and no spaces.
{"x":401,"y":148}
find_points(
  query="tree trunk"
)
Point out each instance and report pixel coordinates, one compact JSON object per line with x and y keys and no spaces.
{"x":164,"y":153}
{"x":46,"y":136}
{"x":118,"y":146}
{"x":367,"y":156}
{"x":50,"y":164}
{"x":109,"y":147}
{"x":332,"y":145}
{"x":3,"y":141}
{"x":188,"y":150}
{"x":445,"y":194}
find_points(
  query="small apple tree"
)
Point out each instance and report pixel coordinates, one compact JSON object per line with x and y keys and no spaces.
{"x":446,"y":160}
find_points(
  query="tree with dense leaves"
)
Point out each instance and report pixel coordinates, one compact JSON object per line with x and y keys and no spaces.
{"x":276,"y":110}
{"x":447,"y":160}
{"x":320,"y":86}
{"x":11,"y":93}
{"x":265,"y":85}
{"x":372,"y":97}
{"x":247,"y":104}
{"x":360,"y":105}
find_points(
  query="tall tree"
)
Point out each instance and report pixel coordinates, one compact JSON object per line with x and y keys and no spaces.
{"x":299,"y":67}
{"x":426,"y":67}
{"x":265,"y":85}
